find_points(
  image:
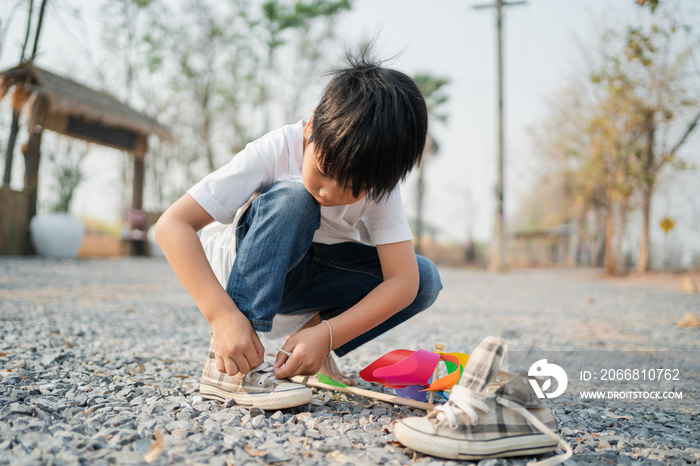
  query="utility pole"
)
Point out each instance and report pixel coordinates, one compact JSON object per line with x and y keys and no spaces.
{"x":498,"y":252}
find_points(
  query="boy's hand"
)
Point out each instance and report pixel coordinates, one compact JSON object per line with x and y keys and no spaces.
{"x":309,"y":348}
{"x":236,"y":345}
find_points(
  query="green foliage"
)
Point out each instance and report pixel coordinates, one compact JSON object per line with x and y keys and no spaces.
{"x":652,"y":4}
{"x":279,"y":16}
{"x":433,"y":90}
{"x":65,"y":157}
{"x":215,"y":72}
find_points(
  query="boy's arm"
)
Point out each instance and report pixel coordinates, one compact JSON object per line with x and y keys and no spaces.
{"x":309,"y":347}
{"x":236,"y":345}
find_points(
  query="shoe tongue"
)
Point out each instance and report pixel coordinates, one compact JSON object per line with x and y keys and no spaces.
{"x":483,"y":363}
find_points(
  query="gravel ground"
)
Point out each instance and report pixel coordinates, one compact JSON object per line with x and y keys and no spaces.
{"x":100,"y":364}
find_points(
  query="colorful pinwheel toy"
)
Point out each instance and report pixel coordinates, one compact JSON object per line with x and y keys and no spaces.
{"x":413,"y":373}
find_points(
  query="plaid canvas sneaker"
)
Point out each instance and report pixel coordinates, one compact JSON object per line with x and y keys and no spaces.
{"x":259,"y":387}
{"x":474,"y":424}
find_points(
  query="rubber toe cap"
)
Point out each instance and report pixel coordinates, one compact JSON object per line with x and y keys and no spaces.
{"x":284,"y":387}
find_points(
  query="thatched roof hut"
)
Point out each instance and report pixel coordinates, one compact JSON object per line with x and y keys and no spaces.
{"x":59,"y":104}
{"x":79,"y":111}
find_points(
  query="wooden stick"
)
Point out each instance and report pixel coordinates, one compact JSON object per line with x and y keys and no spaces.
{"x":440,"y":346}
{"x":365,"y":393}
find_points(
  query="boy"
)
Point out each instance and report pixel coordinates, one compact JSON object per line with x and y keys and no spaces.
{"x":325,"y":242}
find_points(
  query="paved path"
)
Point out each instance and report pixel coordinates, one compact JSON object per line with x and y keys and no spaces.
{"x":97,"y":356}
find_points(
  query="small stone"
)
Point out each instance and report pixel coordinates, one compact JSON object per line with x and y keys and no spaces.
{"x":492,"y":462}
{"x":46,"y":405}
{"x":567,"y":432}
{"x":127,"y":393}
{"x":217,"y":461}
{"x":256,"y":411}
{"x":11,"y":378}
{"x":231,"y":439}
{"x":258,"y":422}
{"x":340,"y":443}
{"x":18,"y":408}
{"x":142,"y":445}
{"x":51,"y":358}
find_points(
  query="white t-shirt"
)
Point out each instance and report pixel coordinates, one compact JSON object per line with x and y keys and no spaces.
{"x":278,"y":156}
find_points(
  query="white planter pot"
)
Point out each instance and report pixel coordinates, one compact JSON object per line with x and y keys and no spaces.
{"x":57,"y":235}
{"x":153,"y":246}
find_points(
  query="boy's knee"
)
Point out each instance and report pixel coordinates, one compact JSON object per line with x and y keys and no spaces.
{"x":430,"y":283}
{"x":290,"y":198}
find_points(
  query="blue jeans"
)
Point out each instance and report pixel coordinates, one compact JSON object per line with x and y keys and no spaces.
{"x":279,"y":269}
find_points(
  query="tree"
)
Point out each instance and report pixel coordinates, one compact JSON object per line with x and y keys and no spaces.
{"x":654,"y":69}
{"x":6,"y":21}
{"x":589,"y":143}
{"x":614,"y":134}
{"x":570,"y":189}
{"x":609,"y":167}
{"x":204,"y":64}
{"x":31,"y":150}
{"x":279,"y":16}
{"x":124,"y":38}
{"x":432,"y":88}
{"x":15,"y":125}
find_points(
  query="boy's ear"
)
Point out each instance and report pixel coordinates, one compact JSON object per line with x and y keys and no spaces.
{"x":308,"y":127}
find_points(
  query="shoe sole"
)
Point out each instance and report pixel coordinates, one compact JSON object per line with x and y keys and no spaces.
{"x":444,"y":447}
{"x":275,"y":400}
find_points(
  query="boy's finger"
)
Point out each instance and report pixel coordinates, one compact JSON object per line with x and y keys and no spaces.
{"x":289,"y":369}
{"x":280,"y":359}
{"x":284,"y":354}
{"x":220,"y":366}
{"x":240,"y":365}
{"x":252,"y":358}
{"x":230,"y":367}
{"x":259,"y":348}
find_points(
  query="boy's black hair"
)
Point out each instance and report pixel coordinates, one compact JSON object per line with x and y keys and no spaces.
{"x":369,"y":127}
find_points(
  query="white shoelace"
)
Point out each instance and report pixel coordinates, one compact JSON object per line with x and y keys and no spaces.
{"x":267,"y":372}
{"x":568,"y":452}
{"x":466,"y":401}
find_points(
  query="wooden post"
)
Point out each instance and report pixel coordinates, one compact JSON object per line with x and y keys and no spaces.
{"x":9,"y":154}
{"x":137,"y":222}
{"x":138,"y":218}
{"x":498,"y":252}
{"x":139,"y":154}
{"x":32,"y":157}
{"x":137,"y":187}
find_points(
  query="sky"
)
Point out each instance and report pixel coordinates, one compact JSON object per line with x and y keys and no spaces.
{"x":543,"y":44}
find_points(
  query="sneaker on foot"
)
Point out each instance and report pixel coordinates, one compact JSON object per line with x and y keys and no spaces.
{"x":474,"y":424}
{"x":259,"y":387}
